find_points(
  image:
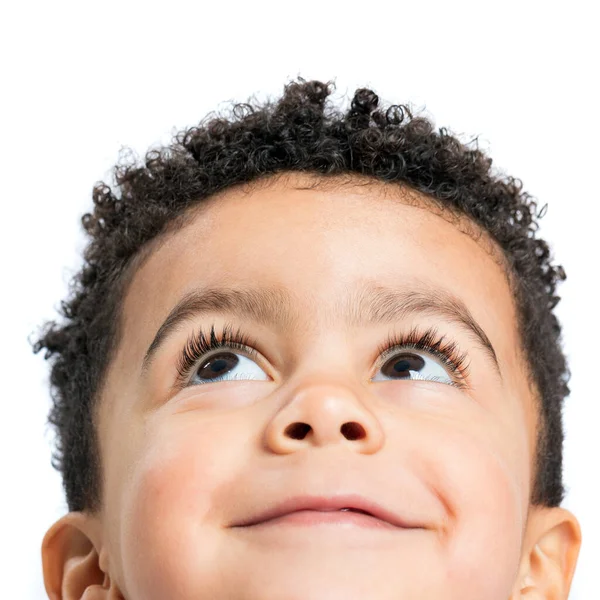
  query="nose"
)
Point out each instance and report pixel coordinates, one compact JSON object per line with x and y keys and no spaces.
{"x":322,"y":414}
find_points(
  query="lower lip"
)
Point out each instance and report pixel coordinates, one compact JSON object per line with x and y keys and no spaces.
{"x":334,"y":517}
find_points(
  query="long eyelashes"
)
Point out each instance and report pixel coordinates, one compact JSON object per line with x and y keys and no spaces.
{"x":198,"y":344}
{"x":428,"y":340}
{"x":432,"y":342}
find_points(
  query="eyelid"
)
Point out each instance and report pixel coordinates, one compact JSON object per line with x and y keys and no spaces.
{"x":392,"y":351}
{"x":430,"y":341}
{"x":197,"y":348}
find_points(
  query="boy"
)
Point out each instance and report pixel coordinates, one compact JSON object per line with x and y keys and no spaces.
{"x":311,"y":355}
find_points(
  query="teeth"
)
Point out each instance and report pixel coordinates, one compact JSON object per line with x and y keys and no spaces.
{"x":356,"y":510}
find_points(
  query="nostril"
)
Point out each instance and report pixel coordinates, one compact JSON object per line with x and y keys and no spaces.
{"x":353,"y":431}
{"x":297,"y":431}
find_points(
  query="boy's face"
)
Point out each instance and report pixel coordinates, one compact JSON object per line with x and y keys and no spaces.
{"x":315,"y":413}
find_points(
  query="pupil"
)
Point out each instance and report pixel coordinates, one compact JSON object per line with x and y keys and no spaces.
{"x":218,"y":365}
{"x":404,"y":365}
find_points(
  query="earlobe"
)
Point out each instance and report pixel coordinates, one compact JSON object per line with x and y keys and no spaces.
{"x":550,"y":557}
{"x":70,"y":560}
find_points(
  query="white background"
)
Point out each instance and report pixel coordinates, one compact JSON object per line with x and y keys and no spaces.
{"x":80,"y":80}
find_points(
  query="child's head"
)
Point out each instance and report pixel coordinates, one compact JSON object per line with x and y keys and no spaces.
{"x":292,"y":302}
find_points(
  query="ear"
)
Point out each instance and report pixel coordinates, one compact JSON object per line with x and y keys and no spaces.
{"x":549,"y":555}
{"x":72,"y":564}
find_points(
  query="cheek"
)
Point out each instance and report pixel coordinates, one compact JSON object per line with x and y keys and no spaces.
{"x":481,"y":488}
{"x":169,"y":531}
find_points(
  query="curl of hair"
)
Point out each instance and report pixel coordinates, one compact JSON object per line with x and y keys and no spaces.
{"x":300,"y":131}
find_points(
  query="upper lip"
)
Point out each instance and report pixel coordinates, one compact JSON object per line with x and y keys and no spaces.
{"x":326,"y":503}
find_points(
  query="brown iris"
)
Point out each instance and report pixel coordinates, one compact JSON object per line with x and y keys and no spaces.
{"x":402,"y":364}
{"x":218,"y":365}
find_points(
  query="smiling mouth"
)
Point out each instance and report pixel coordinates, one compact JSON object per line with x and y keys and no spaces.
{"x":343,"y":517}
{"x":337,"y":509}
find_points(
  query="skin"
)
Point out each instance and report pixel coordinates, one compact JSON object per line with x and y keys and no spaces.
{"x":180,"y":468}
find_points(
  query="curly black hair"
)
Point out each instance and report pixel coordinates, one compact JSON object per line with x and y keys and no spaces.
{"x":300,"y":132}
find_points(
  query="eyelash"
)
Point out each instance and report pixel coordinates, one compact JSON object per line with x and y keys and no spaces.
{"x":428,"y":341}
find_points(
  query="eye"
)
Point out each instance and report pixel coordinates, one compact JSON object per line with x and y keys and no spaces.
{"x":415,"y":366}
{"x":227,"y":366}
{"x":415,"y":355}
{"x":230,"y":366}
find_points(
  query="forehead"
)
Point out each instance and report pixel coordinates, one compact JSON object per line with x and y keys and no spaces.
{"x":314,"y":243}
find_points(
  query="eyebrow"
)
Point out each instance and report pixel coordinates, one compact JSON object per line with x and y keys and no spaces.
{"x":366,"y":305}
